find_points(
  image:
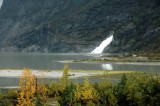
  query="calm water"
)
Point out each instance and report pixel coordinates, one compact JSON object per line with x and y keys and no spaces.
{"x":57,"y":61}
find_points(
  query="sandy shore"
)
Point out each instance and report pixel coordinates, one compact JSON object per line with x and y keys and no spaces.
{"x":57,"y":74}
{"x":45,"y":74}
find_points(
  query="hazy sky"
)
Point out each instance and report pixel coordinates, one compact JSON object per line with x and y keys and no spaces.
{"x":1,"y":3}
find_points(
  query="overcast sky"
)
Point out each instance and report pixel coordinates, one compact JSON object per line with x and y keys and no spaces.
{"x":1,"y":3}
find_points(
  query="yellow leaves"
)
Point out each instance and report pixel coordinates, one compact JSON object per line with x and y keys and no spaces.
{"x":27,"y":87}
{"x":86,"y":92}
{"x":30,"y":89}
{"x":33,"y":90}
{"x":77,"y":93}
{"x":87,"y":95}
{"x":42,"y":91}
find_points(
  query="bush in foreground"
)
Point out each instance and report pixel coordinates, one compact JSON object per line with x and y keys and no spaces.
{"x":136,"y":89}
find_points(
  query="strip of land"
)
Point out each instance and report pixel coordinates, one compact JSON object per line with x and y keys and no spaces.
{"x":58,"y":74}
{"x":112,"y":62}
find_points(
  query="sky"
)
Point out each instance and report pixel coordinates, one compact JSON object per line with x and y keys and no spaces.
{"x":1,"y":3}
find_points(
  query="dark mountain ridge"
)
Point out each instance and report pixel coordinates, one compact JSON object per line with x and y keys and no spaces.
{"x":79,"y":25}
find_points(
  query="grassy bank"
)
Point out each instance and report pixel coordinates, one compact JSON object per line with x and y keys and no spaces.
{"x":121,"y":58}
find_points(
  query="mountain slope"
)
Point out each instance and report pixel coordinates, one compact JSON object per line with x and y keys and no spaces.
{"x":79,"y":25}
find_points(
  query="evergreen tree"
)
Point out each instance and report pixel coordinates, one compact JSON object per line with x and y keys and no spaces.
{"x":88,"y":93}
{"x":64,"y":79}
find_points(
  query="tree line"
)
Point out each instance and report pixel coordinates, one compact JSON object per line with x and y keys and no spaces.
{"x":137,"y":89}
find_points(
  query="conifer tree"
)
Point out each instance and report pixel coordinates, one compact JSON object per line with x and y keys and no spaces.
{"x":64,"y":79}
{"x":88,"y":93}
{"x":77,"y":93}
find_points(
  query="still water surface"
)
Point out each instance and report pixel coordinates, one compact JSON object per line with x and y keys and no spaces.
{"x":56,"y":62}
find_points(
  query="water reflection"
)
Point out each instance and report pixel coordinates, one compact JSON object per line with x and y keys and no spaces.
{"x":107,"y":66}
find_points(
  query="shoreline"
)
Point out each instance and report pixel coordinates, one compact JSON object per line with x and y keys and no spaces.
{"x":112,"y":62}
{"x":13,"y":73}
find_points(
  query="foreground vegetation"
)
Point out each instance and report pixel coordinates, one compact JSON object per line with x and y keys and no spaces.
{"x":136,"y":89}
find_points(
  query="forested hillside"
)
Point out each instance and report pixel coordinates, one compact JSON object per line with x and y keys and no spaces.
{"x":79,"y":25}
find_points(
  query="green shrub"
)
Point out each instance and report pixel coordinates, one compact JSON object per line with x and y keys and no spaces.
{"x":9,"y":98}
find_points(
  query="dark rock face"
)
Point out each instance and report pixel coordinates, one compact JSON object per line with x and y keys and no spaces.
{"x":79,"y":25}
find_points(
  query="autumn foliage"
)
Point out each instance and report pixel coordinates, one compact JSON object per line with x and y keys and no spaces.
{"x":31,"y":92}
{"x":138,"y":89}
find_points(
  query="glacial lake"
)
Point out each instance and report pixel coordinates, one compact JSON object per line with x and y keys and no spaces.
{"x":56,"y":61}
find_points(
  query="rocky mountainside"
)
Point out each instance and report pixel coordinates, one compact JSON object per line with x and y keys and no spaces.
{"x":79,"y":25}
